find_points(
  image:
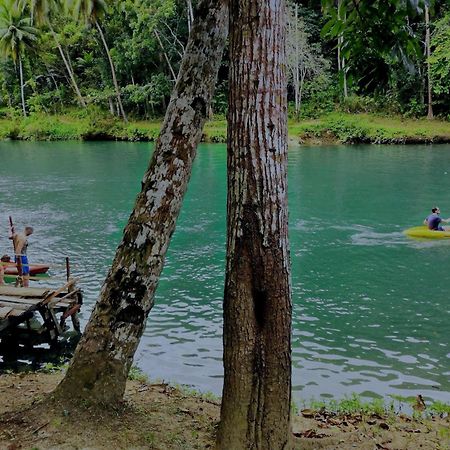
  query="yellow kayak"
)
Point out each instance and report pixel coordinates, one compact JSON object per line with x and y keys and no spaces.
{"x":424,"y":232}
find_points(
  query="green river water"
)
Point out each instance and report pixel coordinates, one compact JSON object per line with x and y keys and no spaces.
{"x":370,"y":306}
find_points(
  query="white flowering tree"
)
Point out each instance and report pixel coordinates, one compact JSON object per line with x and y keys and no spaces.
{"x":304,"y":59}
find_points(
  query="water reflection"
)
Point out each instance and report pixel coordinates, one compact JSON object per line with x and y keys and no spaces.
{"x":370,"y":309}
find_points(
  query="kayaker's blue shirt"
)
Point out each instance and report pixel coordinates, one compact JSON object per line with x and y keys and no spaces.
{"x":433,"y":221}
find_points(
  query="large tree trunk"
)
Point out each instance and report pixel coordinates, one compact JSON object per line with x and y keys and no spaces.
{"x":22,"y":91}
{"x":100,"y":366}
{"x":428,"y":53}
{"x":256,"y":397}
{"x":113,"y":71}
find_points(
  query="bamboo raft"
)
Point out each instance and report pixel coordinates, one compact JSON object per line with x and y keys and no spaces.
{"x":21,"y":306}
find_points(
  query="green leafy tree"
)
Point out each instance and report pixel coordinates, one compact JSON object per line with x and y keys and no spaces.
{"x":304,"y":59}
{"x":16,"y":37}
{"x":373,"y":35}
{"x":149,"y":41}
{"x":41,"y":11}
{"x":90,"y":12}
{"x":440,"y":58}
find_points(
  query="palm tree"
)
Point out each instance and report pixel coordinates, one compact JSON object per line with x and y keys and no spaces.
{"x":428,"y":54}
{"x":40,"y":14}
{"x":16,"y":35}
{"x":89,"y":12}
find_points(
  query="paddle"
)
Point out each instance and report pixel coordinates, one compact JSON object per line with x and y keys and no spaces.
{"x":11,"y":228}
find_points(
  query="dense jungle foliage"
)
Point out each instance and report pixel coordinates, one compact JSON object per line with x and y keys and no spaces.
{"x":80,"y":56}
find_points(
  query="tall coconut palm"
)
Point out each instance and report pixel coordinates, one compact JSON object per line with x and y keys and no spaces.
{"x":16,"y":36}
{"x":40,"y":14}
{"x":89,"y":12}
{"x":428,"y":54}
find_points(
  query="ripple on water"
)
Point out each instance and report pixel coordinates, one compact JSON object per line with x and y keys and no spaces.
{"x":369,"y":305}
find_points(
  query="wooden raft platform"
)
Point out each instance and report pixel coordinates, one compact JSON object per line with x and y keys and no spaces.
{"x":19,"y":305}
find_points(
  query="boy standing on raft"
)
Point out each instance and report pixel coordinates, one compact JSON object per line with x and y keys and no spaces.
{"x":433,"y":221}
{"x":20,"y":241}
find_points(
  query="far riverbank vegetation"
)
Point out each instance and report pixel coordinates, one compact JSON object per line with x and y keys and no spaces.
{"x":66,"y":75}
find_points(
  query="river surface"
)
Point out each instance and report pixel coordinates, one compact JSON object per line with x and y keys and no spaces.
{"x":371,"y":308}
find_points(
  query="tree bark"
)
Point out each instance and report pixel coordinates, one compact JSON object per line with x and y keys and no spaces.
{"x":428,"y":53}
{"x":255,"y":411}
{"x":102,"y":360}
{"x":22,"y":93}
{"x":113,"y":71}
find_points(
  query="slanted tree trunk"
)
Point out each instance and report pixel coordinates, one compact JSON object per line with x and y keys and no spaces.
{"x":255,"y":411}
{"x":341,"y":59}
{"x":166,"y":57}
{"x":22,"y":89}
{"x":300,"y":91}
{"x":100,"y":366}
{"x":111,"y":106}
{"x":190,"y":14}
{"x":68,"y":69}
{"x":428,"y":53}
{"x":344,"y":74}
{"x":113,"y":71}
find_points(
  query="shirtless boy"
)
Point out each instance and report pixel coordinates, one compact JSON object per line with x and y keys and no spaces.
{"x":20,"y":246}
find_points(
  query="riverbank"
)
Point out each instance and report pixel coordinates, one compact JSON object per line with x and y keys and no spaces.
{"x":159,"y":416}
{"x":332,"y":128}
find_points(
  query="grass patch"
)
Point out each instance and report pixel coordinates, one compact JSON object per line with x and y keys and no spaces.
{"x":188,"y":391}
{"x":50,"y":367}
{"x":337,"y":127}
{"x":371,"y":128}
{"x":353,"y":405}
{"x":215,"y":131}
{"x":136,"y":374}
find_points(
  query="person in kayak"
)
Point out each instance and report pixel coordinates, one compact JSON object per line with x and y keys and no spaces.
{"x":20,"y":245}
{"x":433,"y":221}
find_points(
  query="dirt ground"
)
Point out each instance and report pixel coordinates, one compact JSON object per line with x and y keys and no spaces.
{"x":158,"y":416}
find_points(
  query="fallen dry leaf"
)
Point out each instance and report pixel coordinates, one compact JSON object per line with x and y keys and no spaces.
{"x":382,"y":447}
{"x":310,"y":434}
{"x":308,"y":413}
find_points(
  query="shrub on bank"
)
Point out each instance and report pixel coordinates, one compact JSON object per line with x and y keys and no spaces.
{"x":371,"y":128}
{"x":95,"y":124}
